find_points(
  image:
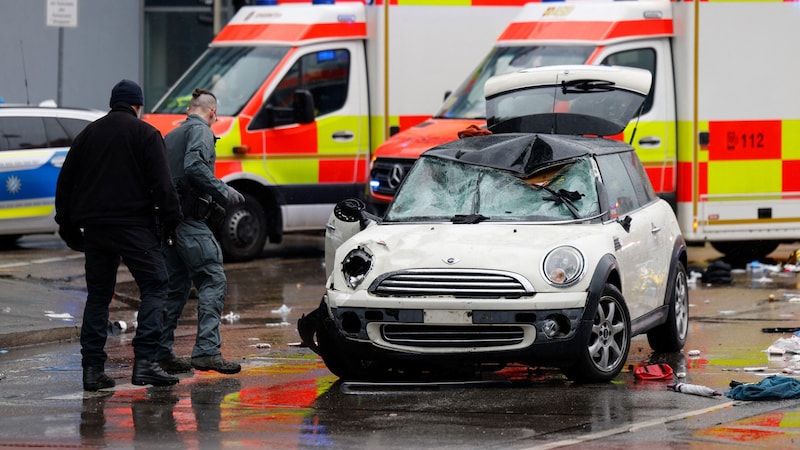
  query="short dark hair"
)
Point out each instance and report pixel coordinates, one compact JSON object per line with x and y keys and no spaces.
{"x":198,"y":101}
{"x":200,"y":91}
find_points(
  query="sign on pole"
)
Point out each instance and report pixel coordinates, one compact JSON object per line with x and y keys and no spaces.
{"x":62,"y":13}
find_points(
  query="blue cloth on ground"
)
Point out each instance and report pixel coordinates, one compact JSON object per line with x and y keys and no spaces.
{"x":770,"y":388}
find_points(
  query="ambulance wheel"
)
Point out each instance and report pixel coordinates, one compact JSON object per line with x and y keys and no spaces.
{"x":244,"y":232}
{"x":603,"y":355}
{"x":9,"y":242}
{"x":745,"y":251}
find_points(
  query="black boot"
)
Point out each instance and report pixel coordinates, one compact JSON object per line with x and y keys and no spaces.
{"x":149,"y":372}
{"x":94,"y":379}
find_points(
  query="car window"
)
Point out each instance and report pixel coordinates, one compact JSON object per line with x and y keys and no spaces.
{"x":622,"y":195}
{"x":73,"y":127}
{"x":642,"y":58}
{"x":641,"y":182}
{"x":19,"y":133}
{"x":57,"y":136}
{"x":440,"y":189}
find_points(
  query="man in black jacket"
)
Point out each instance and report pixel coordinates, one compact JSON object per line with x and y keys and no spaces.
{"x":115,"y":185}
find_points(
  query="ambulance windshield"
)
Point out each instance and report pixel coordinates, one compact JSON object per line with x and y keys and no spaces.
{"x":232,"y":73}
{"x":468,"y":102}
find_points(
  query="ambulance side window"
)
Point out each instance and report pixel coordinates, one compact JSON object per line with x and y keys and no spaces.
{"x":642,"y":58}
{"x":325,"y":74}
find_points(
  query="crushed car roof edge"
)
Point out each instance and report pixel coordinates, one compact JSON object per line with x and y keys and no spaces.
{"x":522,"y":153}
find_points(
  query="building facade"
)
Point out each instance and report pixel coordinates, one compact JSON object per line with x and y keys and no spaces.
{"x":149,"y":41}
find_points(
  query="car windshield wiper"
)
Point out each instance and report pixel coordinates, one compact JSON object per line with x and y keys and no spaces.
{"x":468,"y":218}
{"x":564,"y":197}
{"x":580,"y":86}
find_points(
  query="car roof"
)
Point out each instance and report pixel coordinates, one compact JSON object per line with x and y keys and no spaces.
{"x":522,"y":154}
{"x":8,"y":110}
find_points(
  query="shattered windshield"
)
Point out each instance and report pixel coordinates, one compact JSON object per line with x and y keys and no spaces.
{"x":446,"y":190}
{"x":467,"y":102}
{"x":233,"y":74}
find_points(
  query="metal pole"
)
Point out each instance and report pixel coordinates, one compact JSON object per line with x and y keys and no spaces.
{"x":59,"y":80}
{"x":217,"y":16}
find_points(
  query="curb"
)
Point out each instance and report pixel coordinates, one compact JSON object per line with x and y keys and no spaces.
{"x":39,"y":337}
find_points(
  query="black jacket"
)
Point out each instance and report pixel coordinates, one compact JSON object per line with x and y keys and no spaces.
{"x":116,"y":173}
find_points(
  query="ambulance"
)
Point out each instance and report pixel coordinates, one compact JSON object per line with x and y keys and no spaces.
{"x":720,"y":130}
{"x":306,"y":91}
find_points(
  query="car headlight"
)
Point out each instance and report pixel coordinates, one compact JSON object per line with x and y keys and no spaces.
{"x":563,"y":266}
{"x":355,"y":266}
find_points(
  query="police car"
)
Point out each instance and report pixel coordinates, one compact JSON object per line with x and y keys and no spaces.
{"x":541,"y":244}
{"x":34,"y":141}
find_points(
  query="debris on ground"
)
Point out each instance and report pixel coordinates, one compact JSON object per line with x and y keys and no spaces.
{"x":718,"y":272}
{"x":773,"y":387}
{"x":694,"y":389}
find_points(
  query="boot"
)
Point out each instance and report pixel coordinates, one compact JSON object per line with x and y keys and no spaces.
{"x":94,"y":379}
{"x":149,"y":372}
{"x":173,"y":365}
{"x":216,"y":363}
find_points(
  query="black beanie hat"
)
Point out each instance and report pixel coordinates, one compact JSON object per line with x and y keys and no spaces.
{"x":126,"y":91}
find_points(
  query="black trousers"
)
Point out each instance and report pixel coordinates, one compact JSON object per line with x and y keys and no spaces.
{"x":140,"y":249}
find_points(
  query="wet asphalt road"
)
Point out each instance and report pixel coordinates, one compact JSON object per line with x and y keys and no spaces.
{"x":286,"y":398}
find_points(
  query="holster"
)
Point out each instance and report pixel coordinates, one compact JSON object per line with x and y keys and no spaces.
{"x":200,"y":206}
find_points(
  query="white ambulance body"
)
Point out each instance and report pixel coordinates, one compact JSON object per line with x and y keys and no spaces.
{"x":307,"y":91}
{"x":720,"y":136}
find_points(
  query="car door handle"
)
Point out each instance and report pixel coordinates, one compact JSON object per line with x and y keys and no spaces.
{"x":346,"y":136}
{"x":654,"y":229}
{"x":650,"y":141}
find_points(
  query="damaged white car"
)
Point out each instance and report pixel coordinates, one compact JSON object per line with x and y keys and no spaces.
{"x":542,"y":244}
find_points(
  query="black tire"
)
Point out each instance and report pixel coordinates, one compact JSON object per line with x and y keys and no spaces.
{"x":671,"y":335}
{"x":604,"y":354}
{"x":745,"y":250}
{"x":244,"y":232}
{"x":9,"y":242}
{"x":346,"y":366}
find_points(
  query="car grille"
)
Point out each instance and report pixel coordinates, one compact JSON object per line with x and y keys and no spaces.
{"x":459,"y":336}
{"x":459,"y":284}
{"x":389,"y":173}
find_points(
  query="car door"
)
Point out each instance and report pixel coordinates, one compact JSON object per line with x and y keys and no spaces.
{"x":638,"y":245}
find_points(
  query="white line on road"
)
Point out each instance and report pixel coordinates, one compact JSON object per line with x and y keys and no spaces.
{"x":632,"y":427}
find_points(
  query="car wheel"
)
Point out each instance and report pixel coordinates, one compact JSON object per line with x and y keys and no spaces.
{"x":606,"y":350}
{"x":671,"y":335}
{"x":346,"y":366}
{"x":244,"y":232}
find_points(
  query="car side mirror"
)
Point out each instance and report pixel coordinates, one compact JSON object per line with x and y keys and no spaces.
{"x":626,"y":223}
{"x":349,"y":210}
{"x":354,"y":210}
